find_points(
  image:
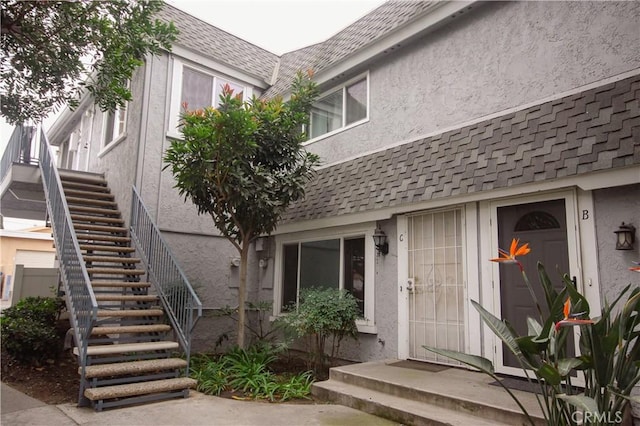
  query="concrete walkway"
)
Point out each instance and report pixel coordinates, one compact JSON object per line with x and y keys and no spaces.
{"x":19,"y":409}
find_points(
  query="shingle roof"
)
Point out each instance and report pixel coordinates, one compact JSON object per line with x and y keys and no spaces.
{"x":220,"y":45}
{"x":597,"y":129}
{"x":373,"y":26}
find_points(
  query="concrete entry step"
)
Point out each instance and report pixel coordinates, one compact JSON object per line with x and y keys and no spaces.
{"x":83,"y":177}
{"x":144,"y":388}
{"x":454,"y":389}
{"x":134,"y":367}
{"x":398,"y":409}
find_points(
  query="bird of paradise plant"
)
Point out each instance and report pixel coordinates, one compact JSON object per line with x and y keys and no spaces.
{"x":609,"y":350}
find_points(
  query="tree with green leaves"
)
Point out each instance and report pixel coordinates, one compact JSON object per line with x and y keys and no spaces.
{"x":243,"y":164}
{"x":53,"y":50}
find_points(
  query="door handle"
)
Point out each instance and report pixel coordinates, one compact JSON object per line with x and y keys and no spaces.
{"x":410,"y":284}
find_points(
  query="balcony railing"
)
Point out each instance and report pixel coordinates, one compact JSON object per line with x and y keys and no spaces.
{"x":20,"y":149}
{"x":180,"y":301}
{"x":81,"y":302}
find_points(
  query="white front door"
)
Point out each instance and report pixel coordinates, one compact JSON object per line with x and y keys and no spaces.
{"x":436,"y":289}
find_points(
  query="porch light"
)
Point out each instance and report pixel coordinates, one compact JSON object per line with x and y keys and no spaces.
{"x":380,"y":241}
{"x":625,"y":236}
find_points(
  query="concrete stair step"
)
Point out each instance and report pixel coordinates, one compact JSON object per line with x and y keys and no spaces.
{"x":89,"y":194}
{"x":123,"y":348}
{"x":95,"y":210}
{"x":81,"y":177}
{"x":111,"y":249}
{"x":85,"y":186}
{"x":90,"y":202}
{"x":97,"y":237}
{"x":126,"y":298}
{"x":112,"y":259}
{"x":130,"y":313}
{"x":101,"y":228}
{"x":134,"y":367}
{"x":144,"y":388}
{"x":93,"y":219}
{"x":451,"y":388}
{"x":149,"y":328}
{"x":120,"y":284}
{"x":115,"y":271}
{"x":395,"y":408}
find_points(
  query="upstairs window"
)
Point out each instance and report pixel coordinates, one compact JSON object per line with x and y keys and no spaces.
{"x":198,"y":87}
{"x":201,"y":90}
{"x":115,"y":125}
{"x":340,"y":108}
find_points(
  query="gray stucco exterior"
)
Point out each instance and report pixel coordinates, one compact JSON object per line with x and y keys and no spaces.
{"x":501,"y":55}
{"x":489,"y":62}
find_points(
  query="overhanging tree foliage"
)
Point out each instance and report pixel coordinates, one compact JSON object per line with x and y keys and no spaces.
{"x":50,"y":48}
{"x":243,"y":164}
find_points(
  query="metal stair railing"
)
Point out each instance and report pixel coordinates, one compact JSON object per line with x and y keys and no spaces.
{"x":81,"y":301}
{"x":181,"y":304}
{"x":18,"y":150}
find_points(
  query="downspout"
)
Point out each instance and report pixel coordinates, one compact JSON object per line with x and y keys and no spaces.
{"x":144,"y":117}
{"x":91,"y":114}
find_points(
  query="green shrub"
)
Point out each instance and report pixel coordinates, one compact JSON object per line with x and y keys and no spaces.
{"x":323,"y":313}
{"x":247,"y":371}
{"x":29,"y":331}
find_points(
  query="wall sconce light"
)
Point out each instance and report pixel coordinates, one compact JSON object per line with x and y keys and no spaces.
{"x":380,"y":241}
{"x":625,"y":236}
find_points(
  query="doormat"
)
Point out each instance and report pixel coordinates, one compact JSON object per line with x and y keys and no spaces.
{"x":519,"y":384}
{"x":419,"y":365}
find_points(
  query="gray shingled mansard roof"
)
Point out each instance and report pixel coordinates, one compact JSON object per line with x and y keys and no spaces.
{"x":221,"y":46}
{"x":598,"y":129}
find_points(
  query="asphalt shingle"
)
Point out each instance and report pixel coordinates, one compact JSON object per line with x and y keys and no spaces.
{"x":598,"y":129}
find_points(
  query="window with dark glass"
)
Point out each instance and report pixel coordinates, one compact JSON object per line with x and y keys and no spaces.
{"x":317,"y":264}
{"x":340,"y":108}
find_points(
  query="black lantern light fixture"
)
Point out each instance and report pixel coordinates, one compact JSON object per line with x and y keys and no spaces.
{"x":625,"y":236}
{"x":380,"y":241}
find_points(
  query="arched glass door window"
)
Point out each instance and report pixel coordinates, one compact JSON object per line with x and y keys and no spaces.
{"x":537,"y":220}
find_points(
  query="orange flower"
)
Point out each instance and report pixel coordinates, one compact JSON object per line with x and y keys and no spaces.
{"x":569,"y":318}
{"x":514,"y":252}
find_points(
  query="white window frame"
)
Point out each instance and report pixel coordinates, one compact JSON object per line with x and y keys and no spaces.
{"x":117,"y":137}
{"x":366,"y":231}
{"x":343,"y":87}
{"x":175,"y":107}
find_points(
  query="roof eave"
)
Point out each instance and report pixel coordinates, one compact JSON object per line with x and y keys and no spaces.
{"x":432,"y":19}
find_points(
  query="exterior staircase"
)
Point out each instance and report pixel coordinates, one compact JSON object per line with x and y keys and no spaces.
{"x":129,"y":355}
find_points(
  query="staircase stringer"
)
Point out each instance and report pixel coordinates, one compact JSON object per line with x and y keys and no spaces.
{"x":80,"y":298}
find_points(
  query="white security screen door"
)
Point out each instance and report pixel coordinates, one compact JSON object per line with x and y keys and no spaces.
{"x":437,"y":289}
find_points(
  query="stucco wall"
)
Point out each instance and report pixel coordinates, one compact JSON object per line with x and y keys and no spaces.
{"x":496,"y":57}
{"x":612,"y":207}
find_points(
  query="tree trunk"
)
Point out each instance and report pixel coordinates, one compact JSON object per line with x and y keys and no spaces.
{"x":242,"y":293}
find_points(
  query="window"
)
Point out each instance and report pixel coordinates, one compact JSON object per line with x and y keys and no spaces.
{"x":340,"y":261}
{"x":115,"y":125}
{"x":200,"y":90}
{"x":340,"y":108}
{"x":198,"y":87}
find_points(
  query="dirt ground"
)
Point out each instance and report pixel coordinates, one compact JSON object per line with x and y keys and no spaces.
{"x":57,"y":381}
{"x":54,"y":382}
